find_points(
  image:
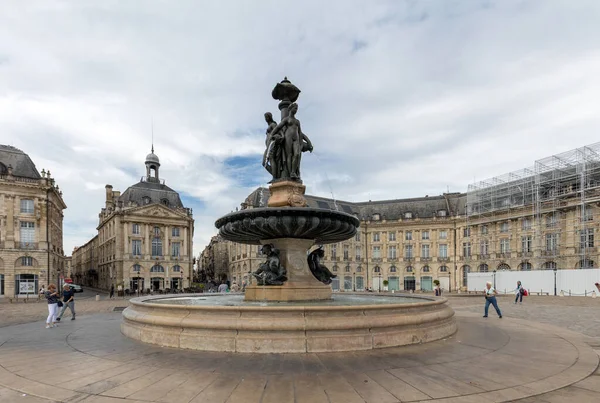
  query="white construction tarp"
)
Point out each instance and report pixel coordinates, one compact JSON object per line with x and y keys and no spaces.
{"x":577,"y":282}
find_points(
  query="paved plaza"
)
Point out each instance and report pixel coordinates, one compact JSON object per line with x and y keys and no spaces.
{"x":543,"y":351}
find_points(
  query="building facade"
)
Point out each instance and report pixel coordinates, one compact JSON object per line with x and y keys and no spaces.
{"x":31,"y":226}
{"x":403,"y":244}
{"x":144,"y":241}
{"x":213,"y":261}
{"x":540,"y":218}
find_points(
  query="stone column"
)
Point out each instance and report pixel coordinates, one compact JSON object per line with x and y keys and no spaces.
{"x":148,"y":246}
{"x":166,"y":248}
{"x":10,"y":222}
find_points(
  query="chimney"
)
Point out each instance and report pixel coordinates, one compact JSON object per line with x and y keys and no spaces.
{"x":109,"y":196}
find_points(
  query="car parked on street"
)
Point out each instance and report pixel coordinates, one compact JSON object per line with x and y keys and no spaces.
{"x":75,"y":287}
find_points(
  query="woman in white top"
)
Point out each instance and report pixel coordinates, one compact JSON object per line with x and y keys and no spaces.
{"x":490,"y":298}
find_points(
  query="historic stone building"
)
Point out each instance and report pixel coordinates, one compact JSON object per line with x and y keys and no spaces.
{"x":401,"y":244}
{"x":144,"y":241}
{"x":214,"y":260}
{"x":31,"y":226}
{"x":540,"y":218}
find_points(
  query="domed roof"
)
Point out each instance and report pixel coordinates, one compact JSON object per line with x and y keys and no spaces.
{"x":152,"y":158}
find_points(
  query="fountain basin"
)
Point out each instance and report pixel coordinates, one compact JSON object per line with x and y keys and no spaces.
{"x":258,"y":224}
{"x":218,"y":323}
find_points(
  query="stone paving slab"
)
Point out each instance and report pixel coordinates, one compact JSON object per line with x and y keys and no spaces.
{"x":486,"y":360}
{"x":492,"y":359}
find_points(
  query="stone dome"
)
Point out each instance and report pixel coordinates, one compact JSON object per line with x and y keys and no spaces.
{"x":152,"y":158}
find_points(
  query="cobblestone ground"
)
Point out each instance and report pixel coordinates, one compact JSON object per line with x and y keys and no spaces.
{"x":37,"y":310}
{"x":579,"y":314}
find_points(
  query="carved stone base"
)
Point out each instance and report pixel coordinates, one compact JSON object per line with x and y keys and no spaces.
{"x":287,"y":194}
{"x":301,"y":284}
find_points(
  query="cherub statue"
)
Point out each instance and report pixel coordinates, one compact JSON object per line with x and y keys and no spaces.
{"x":318,"y":270}
{"x":271,"y":272}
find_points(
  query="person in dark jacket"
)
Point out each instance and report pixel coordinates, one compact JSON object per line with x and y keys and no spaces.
{"x":112,"y":291}
{"x":68,"y":296}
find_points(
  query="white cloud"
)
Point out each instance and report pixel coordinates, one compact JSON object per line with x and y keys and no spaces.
{"x":400,"y":99}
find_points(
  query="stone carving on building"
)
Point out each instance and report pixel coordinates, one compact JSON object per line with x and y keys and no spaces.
{"x":318,"y":270}
{"x":271,"y":272}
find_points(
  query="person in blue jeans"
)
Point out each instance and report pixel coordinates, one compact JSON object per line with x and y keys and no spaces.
{"x":490,"y":298}
{"x":519,"y":292}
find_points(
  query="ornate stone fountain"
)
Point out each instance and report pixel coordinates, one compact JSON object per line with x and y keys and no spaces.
{"x":287,"y":227}
{"x":290,"y":309}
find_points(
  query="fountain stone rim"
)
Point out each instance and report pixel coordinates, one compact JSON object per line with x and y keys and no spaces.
{"x":424,"y":301}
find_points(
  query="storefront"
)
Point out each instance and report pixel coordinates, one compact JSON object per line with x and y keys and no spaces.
{"x":136,"y":283}
{"x":393,"y":284}
{"x":426,"y":283}
{"x":175,"y":283}
{"x":410,"y":283}
{"x":347,"y":283}
{"x":360,"y":284}
{"x":158,"y":283}
{"x":26,"y":284}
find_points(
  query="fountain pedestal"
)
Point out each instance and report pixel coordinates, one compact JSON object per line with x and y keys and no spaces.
{"x":287,"y":194}
{"x":301,"y":284}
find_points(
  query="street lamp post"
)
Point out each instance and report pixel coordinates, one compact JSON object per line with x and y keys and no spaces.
{"x":555,"y":281}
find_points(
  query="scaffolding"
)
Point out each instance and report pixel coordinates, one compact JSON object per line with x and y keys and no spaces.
{"x":543,"y":198}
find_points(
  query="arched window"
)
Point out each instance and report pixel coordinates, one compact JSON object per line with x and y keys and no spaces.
{"x":549,"y":266}
{"x":26,"y":261}
{"x":359,"y":269}
{"x":393,"y":269}
{"x":157,"y":269}
{"x":164,"y":202}
{"x":146,"y":200}
{"x":425,"y":269}
{"x":377,"y":269}
{"x":156,"y":246}
{"x":586,"y":264}
{"x":503,"y":266}
{"x":525,"y":266}
{"x":335,"y":267}
{"x":444,"y":269}
{"x":483,"y":268}
{"x":176,"y":269}
{"x":465,"y":271}
{"x":376,"y":217}
{"x":137,"y":268}
{"x":408,"y":215}
{"x":409,"y":269}
{"x":347,"y":268}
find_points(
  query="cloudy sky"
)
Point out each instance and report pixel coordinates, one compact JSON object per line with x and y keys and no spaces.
{"x":400,"y":98}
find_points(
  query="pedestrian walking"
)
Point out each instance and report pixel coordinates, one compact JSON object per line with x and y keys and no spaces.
{"x":223,"y":287}
{"x":598,"y":286}
{"x":519,"y":292}
{"x":112,"y":291}
{"x":68,"y":295}
{"x":52,"y":298}
{"x":490,"y":298}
